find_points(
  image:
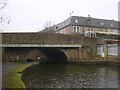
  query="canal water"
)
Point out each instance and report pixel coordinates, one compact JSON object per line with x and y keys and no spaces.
{"x":71,"y":76}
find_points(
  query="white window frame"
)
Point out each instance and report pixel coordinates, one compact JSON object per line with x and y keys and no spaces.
{"x":76,"y":29}
{"x":112,"y":50}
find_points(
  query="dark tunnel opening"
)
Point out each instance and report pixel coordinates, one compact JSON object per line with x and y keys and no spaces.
{"x":29,"y":60}
{"x":54,"y":55}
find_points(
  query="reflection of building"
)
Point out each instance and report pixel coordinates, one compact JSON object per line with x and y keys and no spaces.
{"x":92,"y":27}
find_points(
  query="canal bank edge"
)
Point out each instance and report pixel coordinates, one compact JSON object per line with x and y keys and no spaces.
{"x":13,"y":79}
{"x":95,"y":62}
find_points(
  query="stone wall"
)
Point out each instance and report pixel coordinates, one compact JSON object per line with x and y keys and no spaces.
{"x":87,"y":51}
{"x":11,"y":54}
{"x":23,"y":54}
{"x":83,"y":53}
{"x":48,"y":38}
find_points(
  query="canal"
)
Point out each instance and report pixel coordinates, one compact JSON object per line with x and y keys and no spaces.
{"x":71,"y":76}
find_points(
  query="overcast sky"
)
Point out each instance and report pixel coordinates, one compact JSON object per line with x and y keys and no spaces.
{"x":32,"y":15}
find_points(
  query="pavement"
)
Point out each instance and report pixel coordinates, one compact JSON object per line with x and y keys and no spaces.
{"x":5,"y":69}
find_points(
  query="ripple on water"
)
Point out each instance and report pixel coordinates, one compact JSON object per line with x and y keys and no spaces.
{"x":70,"y":76}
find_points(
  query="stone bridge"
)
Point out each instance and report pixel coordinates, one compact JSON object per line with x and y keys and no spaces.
{"x":48,"y":47}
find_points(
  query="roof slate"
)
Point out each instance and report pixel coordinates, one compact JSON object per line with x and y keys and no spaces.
{"x":87,"y":21}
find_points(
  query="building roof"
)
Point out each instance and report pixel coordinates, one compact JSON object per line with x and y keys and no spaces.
{"x":87,"y":21}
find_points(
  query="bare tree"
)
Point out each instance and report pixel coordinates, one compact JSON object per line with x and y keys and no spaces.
{"x":48,"y":24}
{"x":3,"y":3}
{"x":3,"y":18}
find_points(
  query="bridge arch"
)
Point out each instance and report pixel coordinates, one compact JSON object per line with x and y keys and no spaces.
{"x":54,"y":55}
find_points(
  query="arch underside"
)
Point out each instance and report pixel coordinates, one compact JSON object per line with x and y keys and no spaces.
{"x":54,"y":55}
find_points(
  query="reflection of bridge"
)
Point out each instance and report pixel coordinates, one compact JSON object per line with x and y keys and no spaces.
{"x":56,"y":47}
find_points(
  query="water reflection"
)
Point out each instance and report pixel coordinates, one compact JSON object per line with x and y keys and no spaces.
{"x":70,"y":76}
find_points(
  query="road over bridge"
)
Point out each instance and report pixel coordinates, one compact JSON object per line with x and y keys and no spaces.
{"x":53,"y":47}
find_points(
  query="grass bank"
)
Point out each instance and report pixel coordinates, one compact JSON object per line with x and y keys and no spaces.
{"x":13,"y":79}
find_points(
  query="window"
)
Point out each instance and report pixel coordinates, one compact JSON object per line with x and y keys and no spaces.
{"x":88,"y":21}
{"x":116,"y":31}
{"x":112,"y":50}
{"x":108,"y":30}
{"x":61,"y":31}
{"x":100,"y":50}
{"x":76,"y":29}
{"x":99,"y":29}
{"x":91,"y":29}
{"x":105,"y":30}
{"x":112,"y":30}
{"x":83,"y":29}
{"x":111,"y":25}
{"x":101,"y":23}
{"x":76,"y":21}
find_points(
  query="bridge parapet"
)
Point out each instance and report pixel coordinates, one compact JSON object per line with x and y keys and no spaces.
{"x":48,"y":38}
